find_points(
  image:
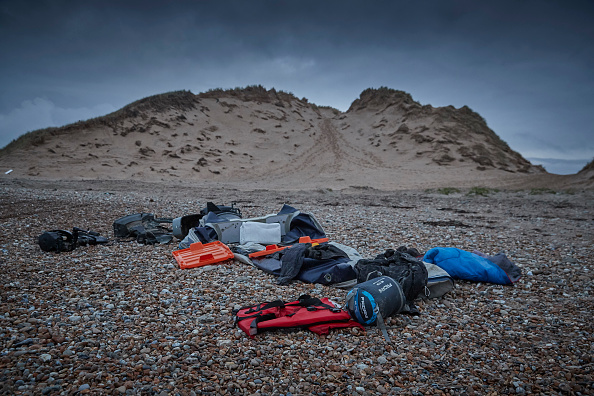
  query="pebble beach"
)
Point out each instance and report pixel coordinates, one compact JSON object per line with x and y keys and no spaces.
{"x":123,"y":318}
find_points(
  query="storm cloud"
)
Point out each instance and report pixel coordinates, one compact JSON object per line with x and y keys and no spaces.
{"x":526,"y":67}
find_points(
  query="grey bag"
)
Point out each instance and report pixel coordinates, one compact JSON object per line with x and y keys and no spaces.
{"x":439,"y":282}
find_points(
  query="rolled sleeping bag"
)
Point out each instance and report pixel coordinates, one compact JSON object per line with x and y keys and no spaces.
{"x":378,"y":296}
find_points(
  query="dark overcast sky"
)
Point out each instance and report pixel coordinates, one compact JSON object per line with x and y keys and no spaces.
{"x":525,"y":66}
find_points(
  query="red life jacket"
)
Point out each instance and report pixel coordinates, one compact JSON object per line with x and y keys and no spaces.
{"x":318,"y":315}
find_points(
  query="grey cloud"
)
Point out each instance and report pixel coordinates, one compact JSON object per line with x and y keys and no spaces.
{"x":41,"y":113}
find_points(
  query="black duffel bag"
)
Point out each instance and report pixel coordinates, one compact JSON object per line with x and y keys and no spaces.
{"x":66,"y":241}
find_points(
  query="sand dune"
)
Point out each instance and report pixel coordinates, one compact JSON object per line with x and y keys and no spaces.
{"x":254,"y":137}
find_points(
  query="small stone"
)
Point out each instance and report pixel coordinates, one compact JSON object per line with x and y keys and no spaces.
{"x":74,"y":318}
{"x":27,"y":341}
{"x":58,"y":339}
{"x":49,"y":389}
{"x":207,"y":318}
{"x":84,"y":387}
{"x":45,"y":357}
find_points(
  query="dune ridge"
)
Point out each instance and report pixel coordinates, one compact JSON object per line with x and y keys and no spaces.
{"x":248,"y":136}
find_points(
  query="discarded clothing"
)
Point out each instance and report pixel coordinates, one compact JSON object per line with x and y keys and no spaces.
{"x":317,"y":315}
{"x":461,"y":264}
{"x":291,"y":262}
{"x":326,"y":264}
{"x":242,"y":252}
{"x":302,"y":224}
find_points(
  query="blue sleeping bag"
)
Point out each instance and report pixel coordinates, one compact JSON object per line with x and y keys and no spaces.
{"x":461,"y":264}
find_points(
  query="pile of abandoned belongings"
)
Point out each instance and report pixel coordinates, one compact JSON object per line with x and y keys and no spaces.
{"x":317,"y":315}
{"x":311,"y":262}
{"x":474,"y":266}
{"x":66,"y":241}
{"x":285,"y":227}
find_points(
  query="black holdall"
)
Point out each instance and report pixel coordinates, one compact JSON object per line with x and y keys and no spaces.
{"x":66,"y":241}
{"x":407,"y":270}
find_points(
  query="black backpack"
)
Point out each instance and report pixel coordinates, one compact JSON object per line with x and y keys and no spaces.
{"x":144,"y":227}
{"x":57,"y":241}
{"x":408,"y":271}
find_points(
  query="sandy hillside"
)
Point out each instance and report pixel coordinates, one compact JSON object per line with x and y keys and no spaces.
{"x":257,"y":138}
